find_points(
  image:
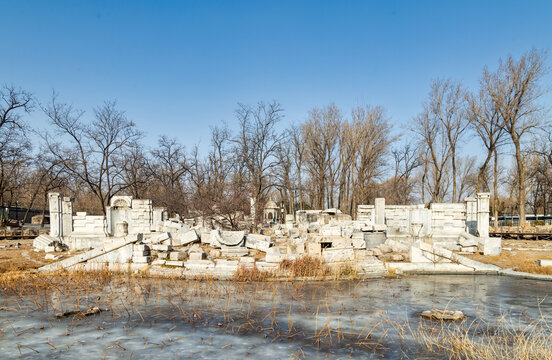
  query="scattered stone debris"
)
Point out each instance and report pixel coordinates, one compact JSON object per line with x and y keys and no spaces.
{"x":137,"y":236}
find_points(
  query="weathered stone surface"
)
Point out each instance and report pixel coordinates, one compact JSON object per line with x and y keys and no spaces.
{"x":141,"y":259}
{"x":338,"y":254}
{"x":358,"y":241}
{"x":197,"y":255}
{"x":391,"y":257}
{"x":158,"y":262}
{"x":163,"y":255}
{"x":185,"y":237}
{"x":141,"y":247}
{"x":215,"y":253}
{"x":469,"y":249}
{"x":314,"y":248}
{"x":231,"y":238}
{"x":199,"y":264}
{"x":296,"y":248}
{"x":385,"y":248}
{"x":416,"y":255}
{"x":258,"y":242}
{"x":313,"y":228}
{"x":445,"y":315}
{"x":544,"y":262}
{"x":162,"y":247}
{"x":234,"y":251}
{"x":246,"y":259}
{"x":136,"y":253}
{"x":274,"y":254}
{"x":177,"y":255}
{"x":162,"y":238}
{"x":492,"y":246}
{"x":174,"y":263}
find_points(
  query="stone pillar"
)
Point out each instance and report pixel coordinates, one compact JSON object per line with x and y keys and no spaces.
{"x":471,"y":215}
{"x":67,"y":216}
{"x":379,"y":209}
{"x":56,"y":228}
{"x":108,"y":221}
{"x":483,"y":214}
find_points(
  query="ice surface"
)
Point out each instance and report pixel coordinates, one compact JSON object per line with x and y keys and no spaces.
{"x":225,"y":320}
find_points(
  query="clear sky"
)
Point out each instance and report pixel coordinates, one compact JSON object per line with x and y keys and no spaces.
{"x":179,"y":67}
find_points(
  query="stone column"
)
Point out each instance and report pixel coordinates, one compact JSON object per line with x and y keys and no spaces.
{"x":379,"y":209}
{"x":56,"y":228}
{"x":483,"y":214}
{"x":67,"y":216}
{"x":471,"y":215}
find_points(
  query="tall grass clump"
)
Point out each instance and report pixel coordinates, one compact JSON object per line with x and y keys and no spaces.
{"x":244,"y":274}
{"x":305,"y":266}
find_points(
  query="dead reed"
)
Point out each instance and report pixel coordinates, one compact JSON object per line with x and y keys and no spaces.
{"x":305,"y":266}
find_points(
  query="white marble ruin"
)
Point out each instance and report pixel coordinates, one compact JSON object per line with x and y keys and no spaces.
{"x":404,"y":238}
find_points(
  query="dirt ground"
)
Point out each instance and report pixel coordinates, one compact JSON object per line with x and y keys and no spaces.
{"x":22,"y":257}
{"x":520,"y":255}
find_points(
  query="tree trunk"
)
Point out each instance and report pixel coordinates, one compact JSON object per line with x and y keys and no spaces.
{"x":521,"y":184}
{"x":495,"y":190}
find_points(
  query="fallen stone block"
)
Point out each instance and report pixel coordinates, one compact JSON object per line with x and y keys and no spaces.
{"x":162,"y":247}
{"x":231,"y":238}
{"x":445,"y":315}
{"x":274,"y":255}
{"x":492,"y":246}
{"x":543,"y":262}
{"x":199,"y":264}
{"x":416,"y":255}
{"x":163,"y":255}
{"x":174,"y":263}
{"x":140,"y":253}
{"x":185,"y":237}
{"x":141,"y":259}
{"x":385,"y":248}
{"x":391,"y":257}
{"x":177,"y":256}
{"x":197,"y":255}
{"x":246,"y":259}
{"x":314,"y":248}
{"x":158,"y":262}
{"x":234,"y":251}
{"x":140,"y":247}
{"x":338,"y":254}
{"x":298,"y":248}
{"x":469,"y":249}
{"x":258,"y":242}
{"x":162,"y":238}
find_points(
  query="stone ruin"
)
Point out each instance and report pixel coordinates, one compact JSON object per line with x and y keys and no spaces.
{"x":134,"y":235}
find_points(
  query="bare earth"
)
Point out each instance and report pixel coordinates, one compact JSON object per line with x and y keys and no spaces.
{"x":520,"y":255}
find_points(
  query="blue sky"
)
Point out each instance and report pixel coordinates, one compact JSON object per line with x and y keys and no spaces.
{"x":179,"y":67}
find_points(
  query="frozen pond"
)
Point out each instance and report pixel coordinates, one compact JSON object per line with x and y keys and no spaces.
{"x":176,"y":319}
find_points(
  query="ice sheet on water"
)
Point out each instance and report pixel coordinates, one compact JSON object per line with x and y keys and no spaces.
{"x":159,"y":333}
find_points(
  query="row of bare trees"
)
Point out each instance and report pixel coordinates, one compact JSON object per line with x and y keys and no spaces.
{"x":334,"y":159}
{"x":505,"y":113}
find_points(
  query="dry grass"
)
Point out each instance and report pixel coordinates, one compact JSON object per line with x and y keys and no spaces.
{"x":244,"y":274}
{"x":478,"y":340}
{"x":305,"y":266}
{"x":517,"y":260}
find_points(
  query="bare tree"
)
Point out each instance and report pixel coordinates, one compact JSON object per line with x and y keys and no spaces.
{"x":515,"y":90}
{"x":257,"y":145}
{"x":15,"y":147}
{"x":406,"y":159}
{"x":168,"y":167}
{"x":92,"y":152}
